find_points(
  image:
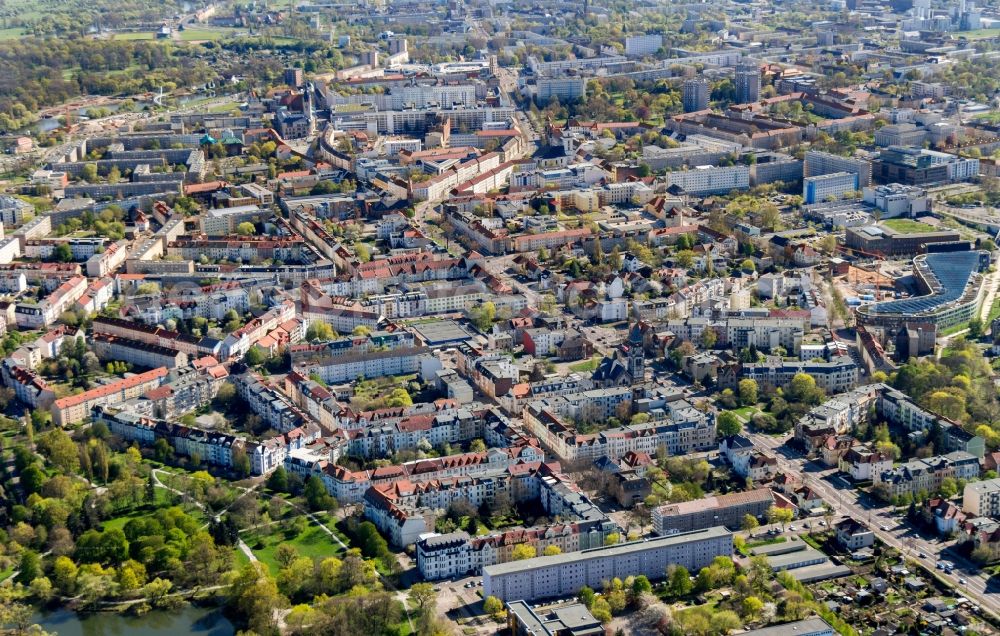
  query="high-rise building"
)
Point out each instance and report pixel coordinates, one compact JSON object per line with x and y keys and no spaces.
{"x":747,"y":82}
{"x":695,"y":95}
{"x":293,"y":77}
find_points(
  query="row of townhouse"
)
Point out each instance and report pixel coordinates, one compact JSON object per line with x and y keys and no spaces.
{"x":214,"y":448}
{"x":76,"y":408}
{"x":456,"y":554}
{"x":31,"y":315}
{"x":682,"y":430}
{"x":140,"y":354}
{"x":836,"y":376}
{"x":313,"y":398}
{"x":158,"y":336}
{"x":451,"y":426}
{"x":211,"y":303}
{"x":29,"y":387}
{"x":837,"y":415}
{"x":108,"y":261}
{"x":48,"y":345}
{"x":527,"y":392}
{"x":184,"y":390}
{"x":239,"y":342}
{"x":374,"y":364}
{"x":765,"y":334}
{"x":404,"y":510}
{"x":243,"y":249}
{"x":268,"y":402}
{"x":926,"y":475}
{"x":349,"y":486}
{"x":310,"y":353}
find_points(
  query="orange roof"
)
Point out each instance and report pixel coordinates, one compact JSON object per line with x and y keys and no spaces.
{"x":111,"y":389}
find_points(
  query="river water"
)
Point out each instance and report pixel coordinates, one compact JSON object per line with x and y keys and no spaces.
{"x":201,"y":621}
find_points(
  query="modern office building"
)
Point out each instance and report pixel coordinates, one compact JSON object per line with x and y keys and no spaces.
{"x":818,"y":163}
{"x":951,"y":288}
{"x":695,"y":94}
{"x":882,"y":240}
{"x":828,"y":186}
{"x":564,"y":574}
{"x":722,"y":510}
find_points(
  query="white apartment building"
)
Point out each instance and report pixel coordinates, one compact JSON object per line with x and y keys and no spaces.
{"x":982,"y":498}
{"x":563,"y":575}
{"x":710,"y":179}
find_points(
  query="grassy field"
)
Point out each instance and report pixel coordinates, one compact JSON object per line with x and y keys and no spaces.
{"x":198,"y":35}
{"x":586,"y":365}
{"x":312,"y":542}
{"x":136,"y":35}
{"x":11,"y":34}
{"x":907,"y":226}
{"x":981,"y":34}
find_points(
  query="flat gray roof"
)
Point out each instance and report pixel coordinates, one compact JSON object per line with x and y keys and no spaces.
{"x":797,"y":628}
{"x":622,"y":548}
{"x":441,"y":332}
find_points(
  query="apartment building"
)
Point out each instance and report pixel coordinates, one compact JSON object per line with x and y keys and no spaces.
{"x":157,"y":336}
{"x":982,"y":498}
{"x":925,"y":475}
{"x":833,"y":185}
{"x":138,"y":353}
{"x":76,"y":408}
{"x":838,"y":375}
{"x":563,"y":575}
{"x":722,"y":510}
{"x":29,"y":387}
{"x":819,"y":163}
{"x":705,"y":180}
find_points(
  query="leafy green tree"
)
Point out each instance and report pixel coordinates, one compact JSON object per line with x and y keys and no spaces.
{"x":728,"y":423}
{"x":246,"y":228}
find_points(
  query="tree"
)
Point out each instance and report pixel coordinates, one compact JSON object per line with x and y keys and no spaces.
{"x":30,"y":567}
{"x":976,"y":328}
{"x":613,"y":538}
{"x":254,"y":357}
{"x":748,"y":392}
{"x":424,"y":597}
{"x":57,"y":446}
{"x":319,"y":331}
{"x":725,"y":621}
{"x":728,"y":423}
{"x":708,"y":338}
{"x":779,"y":515}
{"x":679,"y":581}
{"x":750,"y":523}
{"x":493,"y":606}
{"x":62,"y":253}
{"x":246,"y":228}
{"x":551,"y":550}
{"x":482,"y":316}
{"x":477,"y":446}
{"x":278,"y":480}
{"x":752,"y":608}
{"x":523,"y":551}
{"x":64,"y":573}
{"x":316,"y":495}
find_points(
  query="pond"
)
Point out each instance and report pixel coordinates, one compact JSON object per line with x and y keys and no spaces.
{"x":203,"y":621}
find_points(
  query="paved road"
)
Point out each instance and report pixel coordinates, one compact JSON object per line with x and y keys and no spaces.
{"x":847,"y":501}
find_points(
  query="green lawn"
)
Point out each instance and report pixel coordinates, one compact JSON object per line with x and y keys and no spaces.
{"x":11,"y":34}
{"x":194,"y":35}
{"x":586,"y":365}
{"x":907,"y":226}
{"x":981,"y":34}
{"x":746,"y":412}
{"x":135,"y":35}
{"x":313,"y":542}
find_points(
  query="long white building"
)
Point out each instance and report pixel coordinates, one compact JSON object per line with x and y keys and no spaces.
{"x":563,"y":575}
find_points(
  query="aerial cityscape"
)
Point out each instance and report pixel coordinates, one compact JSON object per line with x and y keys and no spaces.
{"x":522,"y":317}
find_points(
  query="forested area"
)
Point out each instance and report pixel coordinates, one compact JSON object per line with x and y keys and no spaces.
{"x":40,"y":73}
